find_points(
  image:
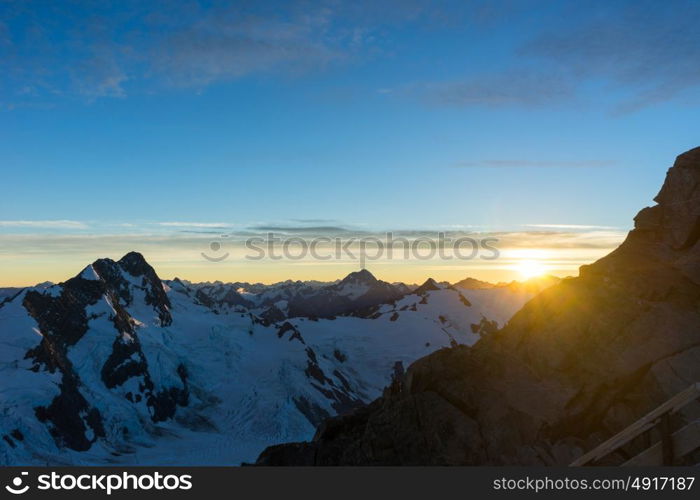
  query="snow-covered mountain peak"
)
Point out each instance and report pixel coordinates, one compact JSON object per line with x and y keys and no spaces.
{"x":133,"y":277}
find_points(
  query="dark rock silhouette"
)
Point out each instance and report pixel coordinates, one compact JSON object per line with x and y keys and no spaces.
{"x":429,"y":286}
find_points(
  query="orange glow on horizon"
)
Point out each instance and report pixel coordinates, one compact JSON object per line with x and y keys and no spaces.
{"x":27,"y":262}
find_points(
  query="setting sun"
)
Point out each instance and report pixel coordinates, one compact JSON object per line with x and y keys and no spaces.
{"x":530,"y":269}
{"x":529,"y":262}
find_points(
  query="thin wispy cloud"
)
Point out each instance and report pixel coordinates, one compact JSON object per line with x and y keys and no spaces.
{"x":130,"y":44}
{"x":215,"y":225}
{"x":96,"y":244}
{"x":60,"y":256}
{"x":507,"y":163}
{"x":301,"y":229}
{"x":634,"y":54}
{"x":570,"y":226}
{"x":637,"y":49}
{"x":592,"y":239}
{"x":648,"y":51}
{"x":44,"y":224}
{"x":136,"y":47}
{"x":513,"y":87}
{"x":228,"y":44}
{"x":315,"y":221}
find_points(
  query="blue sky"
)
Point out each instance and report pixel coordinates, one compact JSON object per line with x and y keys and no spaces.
{"x":502,"y":116}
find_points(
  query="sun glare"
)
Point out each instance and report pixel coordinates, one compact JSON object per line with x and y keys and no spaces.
{"x":530,"y":269}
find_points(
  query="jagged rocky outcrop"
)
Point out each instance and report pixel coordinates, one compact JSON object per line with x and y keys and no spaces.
{"x":272,"y":314}
{"x":429,"y":286}
{"x":580,"y":362}
{"x":63,"y":314}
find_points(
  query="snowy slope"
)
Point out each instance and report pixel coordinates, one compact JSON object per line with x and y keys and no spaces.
{"x":115,"y":366}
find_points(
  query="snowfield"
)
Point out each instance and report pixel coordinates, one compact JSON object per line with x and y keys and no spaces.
{"x":157,"y":373}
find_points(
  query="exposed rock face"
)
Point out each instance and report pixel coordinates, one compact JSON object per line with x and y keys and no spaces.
{"x":63,"y":319}
{"x":429,"y":285}
{"x":580,"y":362}
{"x":217,"y":296}
{"x":272,"y":314}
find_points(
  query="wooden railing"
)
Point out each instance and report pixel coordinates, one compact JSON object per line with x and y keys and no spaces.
{"x":673,"y":445}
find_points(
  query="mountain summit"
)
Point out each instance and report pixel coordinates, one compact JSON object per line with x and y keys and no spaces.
{"x":362,"y":276}
{"x":429,"y":285}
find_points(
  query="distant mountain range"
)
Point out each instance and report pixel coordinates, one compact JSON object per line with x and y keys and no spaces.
{"x":116,"y":366}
